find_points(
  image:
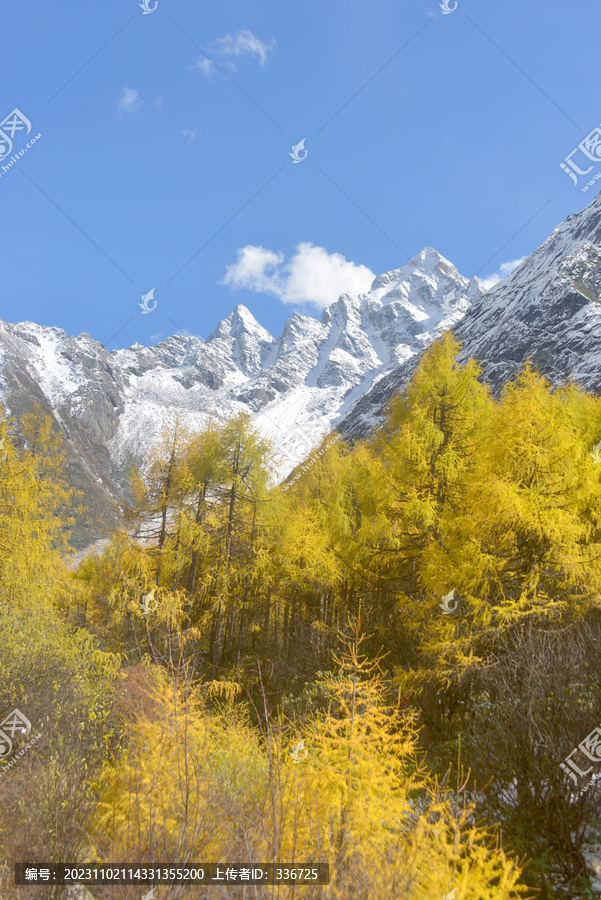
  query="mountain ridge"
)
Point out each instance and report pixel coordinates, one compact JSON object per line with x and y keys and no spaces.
{"x":547,"y":311}
{"x":336,"y":372}
{"x":111,"y":406}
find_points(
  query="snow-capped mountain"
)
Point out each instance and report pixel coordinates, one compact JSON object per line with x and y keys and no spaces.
{"x":111,"y":407}
{"x":548,"y":310}
{"x":339,"y":371}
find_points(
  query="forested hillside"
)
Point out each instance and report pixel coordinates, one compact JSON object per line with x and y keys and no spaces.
{"x":260,"y":672}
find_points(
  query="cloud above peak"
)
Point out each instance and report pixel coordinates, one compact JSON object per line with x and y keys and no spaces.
{"x":504,"y":270}
{"x":312,"y":275}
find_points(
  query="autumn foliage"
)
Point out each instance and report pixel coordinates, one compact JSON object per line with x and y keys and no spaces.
{"x":232,"y":618}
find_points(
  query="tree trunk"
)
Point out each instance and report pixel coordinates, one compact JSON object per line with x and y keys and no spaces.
{"x":228,"y":554}
{"x":198,"y":520}
{"x":165,"y":507}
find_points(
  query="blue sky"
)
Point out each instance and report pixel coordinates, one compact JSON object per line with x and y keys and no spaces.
{"x":160,"y":166}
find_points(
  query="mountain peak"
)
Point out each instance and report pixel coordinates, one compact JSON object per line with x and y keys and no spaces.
{"x":339,"y":372}
{"x":428,"y":257}
{"x":240,"y":322}
{"x":427,"y":278}
{"x":547,"y":311}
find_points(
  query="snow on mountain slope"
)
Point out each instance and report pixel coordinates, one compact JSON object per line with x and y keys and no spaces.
{"x":297,"y":386}
{"x":548,"y":311}
{"x":340,"y":371}
{"x":113,"y":406}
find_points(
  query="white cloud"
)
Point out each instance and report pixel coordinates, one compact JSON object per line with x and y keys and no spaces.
{"x":190,"y":135}
{"x":242,"y":43}
{"x":204,"y":65}
{"x":245,"y":42}
{"x":181,"y":332}
{"x":311,"y":276}
{"x":128,"y":103}
{"x":256,"y":269}
{"x":504,"y":270}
